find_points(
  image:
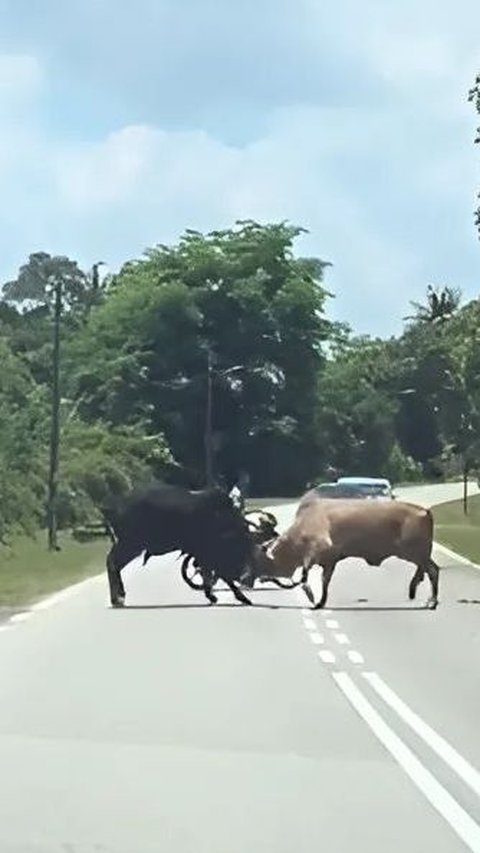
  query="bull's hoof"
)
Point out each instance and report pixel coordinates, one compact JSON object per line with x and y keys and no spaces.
{"x":432,"y":604}
{"x":213,"y":599}
{"x":412,"y":591}
{"x":118,"y":602}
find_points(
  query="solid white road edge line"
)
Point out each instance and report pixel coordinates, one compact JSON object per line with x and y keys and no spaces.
{"x":63,"y":594}
{"x":440,"y":746}
{"x":20,"y":617}
{"x":458,"y":558}
{"x":447,"y":807}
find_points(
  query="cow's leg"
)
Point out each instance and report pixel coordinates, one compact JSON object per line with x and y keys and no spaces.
{"x":208,"y":581}
{"x":433,"y":572}
{"x":305,"y":584}
{"x":237,"y":592}
{"x":327,"y":577}
{"x":417,"y":578}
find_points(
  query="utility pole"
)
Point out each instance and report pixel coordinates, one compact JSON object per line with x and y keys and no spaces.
{"x":96,"y":276}
{"x":55,"y":424}
{"x":208,"y":424}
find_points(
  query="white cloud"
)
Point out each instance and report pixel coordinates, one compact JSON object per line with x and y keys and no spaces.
{"x":383,"y":176}
{"x":366,"y":206}
{"x":163,"y":182}
{"x":90,"y":176}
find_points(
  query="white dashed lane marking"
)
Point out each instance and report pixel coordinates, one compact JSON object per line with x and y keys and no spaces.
{"x":326,"y":656}
{"x":316,"y":638}
{"x":439,"y":797}
{"x":342,"y":639}
{"x":355,"y":657}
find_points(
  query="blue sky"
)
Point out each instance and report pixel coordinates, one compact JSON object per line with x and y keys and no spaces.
{"x":122,"y":125}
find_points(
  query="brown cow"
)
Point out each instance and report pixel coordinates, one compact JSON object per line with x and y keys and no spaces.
{"x":327,"y":531}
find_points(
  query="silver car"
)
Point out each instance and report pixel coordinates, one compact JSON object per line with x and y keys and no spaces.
{"x":376,"y":488}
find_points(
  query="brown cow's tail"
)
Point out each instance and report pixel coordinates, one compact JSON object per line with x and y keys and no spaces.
{"x":430,"y":522}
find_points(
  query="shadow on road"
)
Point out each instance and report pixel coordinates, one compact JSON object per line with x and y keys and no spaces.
{"x":259,"y":606}
{"x":207,"y":606}
{"x":381,"y":608}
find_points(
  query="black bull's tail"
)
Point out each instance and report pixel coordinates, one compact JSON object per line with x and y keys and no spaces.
{"x":110,"y":520}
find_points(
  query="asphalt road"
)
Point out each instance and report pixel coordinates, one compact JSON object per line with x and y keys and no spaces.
{"x":177,"y":727}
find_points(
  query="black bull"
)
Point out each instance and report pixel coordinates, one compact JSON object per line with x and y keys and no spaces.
{"x":205,"y":525}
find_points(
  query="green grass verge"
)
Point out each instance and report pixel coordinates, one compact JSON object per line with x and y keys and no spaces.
{"x":457,"y":531}
{"x":28,"y":571}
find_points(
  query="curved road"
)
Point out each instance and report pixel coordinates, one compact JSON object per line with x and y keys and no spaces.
{"x":176,"y":727}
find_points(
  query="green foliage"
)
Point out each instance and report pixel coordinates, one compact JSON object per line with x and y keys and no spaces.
{"x":356,"y":415}
{"x":440,"y":305}
{"x":99,"y":464}
{"x":22,"y":436}
{"x":474,"y":97}
{"x":243,"y":296}
{"x":293,"y":394}
{"x":38,"y":278}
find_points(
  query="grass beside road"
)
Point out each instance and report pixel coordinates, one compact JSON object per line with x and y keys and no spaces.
{"x":457,"y":531}
{"x":29,"y":572}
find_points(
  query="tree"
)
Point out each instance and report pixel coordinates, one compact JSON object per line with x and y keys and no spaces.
{"x":356,"y":413}
{"x":38,"y":278}
{"x":461,"y":411}
{"x":474,"y":97}
{"x":100,"y":465}
{"x":441,"y":304}
{"x":241,"y":295}
{"x":23,"y":438}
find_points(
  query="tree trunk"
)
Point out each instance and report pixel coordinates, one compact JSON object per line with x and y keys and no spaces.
{"x":465,"y":489}
{"x":55,"y":427}
{"x":208,"y":426}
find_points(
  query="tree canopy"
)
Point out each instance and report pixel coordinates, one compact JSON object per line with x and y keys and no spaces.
{"x":293,"y":393}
